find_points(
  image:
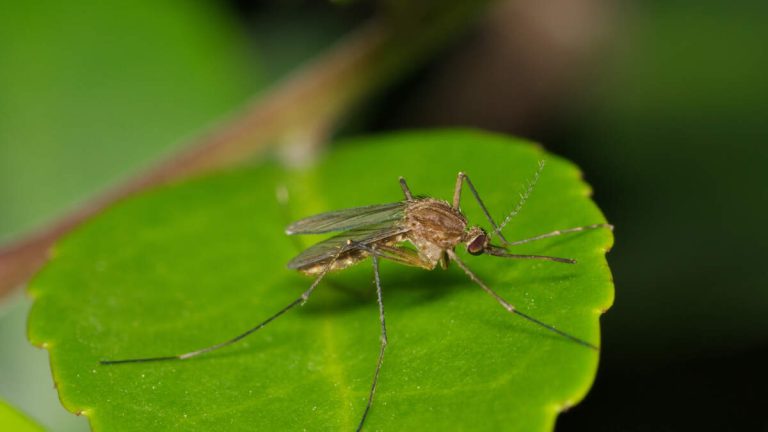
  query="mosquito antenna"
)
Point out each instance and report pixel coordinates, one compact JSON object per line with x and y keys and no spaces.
{"x":506,"y":305}
{"x":303,"y":298}
{"x":523,"y":198}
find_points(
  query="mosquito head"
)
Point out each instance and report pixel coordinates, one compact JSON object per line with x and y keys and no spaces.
{"x":476,"y":240}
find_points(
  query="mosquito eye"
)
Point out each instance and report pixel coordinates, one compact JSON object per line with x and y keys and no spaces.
{"x":477,"y":245}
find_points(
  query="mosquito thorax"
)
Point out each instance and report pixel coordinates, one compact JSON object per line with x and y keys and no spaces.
{"x":434,"y":224}
{"x":476,"y":240}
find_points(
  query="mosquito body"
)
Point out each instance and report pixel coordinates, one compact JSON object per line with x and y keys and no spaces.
{"x":431,"y":226}
{"x":420,"y":232}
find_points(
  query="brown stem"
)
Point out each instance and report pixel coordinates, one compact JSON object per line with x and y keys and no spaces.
{"x":308,"y":103}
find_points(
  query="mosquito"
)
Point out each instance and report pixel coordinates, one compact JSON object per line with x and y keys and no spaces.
{"x":432,"y":227}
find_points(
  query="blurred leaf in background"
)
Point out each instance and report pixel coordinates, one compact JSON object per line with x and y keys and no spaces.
{"x":91,"y":91}
{"x":12,"y":420}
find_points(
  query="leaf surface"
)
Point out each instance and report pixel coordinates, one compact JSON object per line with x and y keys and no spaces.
{"x":190,"y":265}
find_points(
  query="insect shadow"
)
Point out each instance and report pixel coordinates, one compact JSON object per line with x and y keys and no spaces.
{"x":433,"y":228}
{"x":411,"y":289}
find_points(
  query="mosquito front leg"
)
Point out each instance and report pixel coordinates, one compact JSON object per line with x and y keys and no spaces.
{"x":406,"y":190}
{"x":303,"y":298}
{"x":460,"y":179}
{"x":510,"y":308}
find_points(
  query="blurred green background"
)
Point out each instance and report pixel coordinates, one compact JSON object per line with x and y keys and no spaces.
{"x":664,"y":105}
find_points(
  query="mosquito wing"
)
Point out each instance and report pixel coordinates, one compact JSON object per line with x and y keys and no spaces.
{"x":329,"y":248}
{"x":348,"y":219}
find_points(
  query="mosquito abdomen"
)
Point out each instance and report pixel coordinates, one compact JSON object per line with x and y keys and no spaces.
{"x":346,"y":259}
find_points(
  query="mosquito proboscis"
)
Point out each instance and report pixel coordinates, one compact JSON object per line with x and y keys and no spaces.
{"x":432,"y":227}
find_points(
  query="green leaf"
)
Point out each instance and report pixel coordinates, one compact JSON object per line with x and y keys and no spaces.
{"x":187,"y":266}
{"x":12,"y":420}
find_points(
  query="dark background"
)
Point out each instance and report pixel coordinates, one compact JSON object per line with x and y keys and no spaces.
{"x":665,"y":108}
{"x":663,"y":104}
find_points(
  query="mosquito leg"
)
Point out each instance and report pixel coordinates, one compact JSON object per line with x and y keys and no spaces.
{"x":460,"y":179}
{"x":406,"y":190}
{"x":457,"y":190}
{"x":383,"y":338}
{"x":512,"y":309}
{"x":504,"y":254}
{"x":561,"y":232}
{"x":303,"y":298}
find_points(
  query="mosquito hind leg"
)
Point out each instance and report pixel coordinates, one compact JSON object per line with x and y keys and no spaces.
{"x":299,"y":301}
